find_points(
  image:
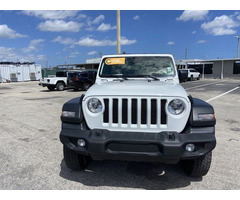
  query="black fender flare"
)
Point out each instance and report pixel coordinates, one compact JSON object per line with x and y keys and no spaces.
{"x":200,"y":107}
{"x":73,"y":105}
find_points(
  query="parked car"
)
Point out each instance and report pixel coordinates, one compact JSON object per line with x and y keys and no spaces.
{"x":193,"y":74}
{"x":81,"y":80}
{"x":138,"y":111}
{"x":182,"y":75}
{"x":59,"y":82}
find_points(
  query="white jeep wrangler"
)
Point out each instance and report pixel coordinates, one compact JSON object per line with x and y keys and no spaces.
{"x":59,"y":81}
{"x":138,"y":111}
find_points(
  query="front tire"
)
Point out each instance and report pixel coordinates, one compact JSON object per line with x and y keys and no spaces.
{"x":73,"y":160}
{"x":198,"y":167}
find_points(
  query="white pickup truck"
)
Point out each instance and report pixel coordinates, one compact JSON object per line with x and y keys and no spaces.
{"x":59,"y":82}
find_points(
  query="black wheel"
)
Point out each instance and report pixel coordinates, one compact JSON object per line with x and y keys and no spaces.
{"x":199,"y":77}
{"x":197,"y":167}
{"x":86,"y":86}
{"x":60,"y":86}
{"x":75,"y":161}
{"x":51,"y":87}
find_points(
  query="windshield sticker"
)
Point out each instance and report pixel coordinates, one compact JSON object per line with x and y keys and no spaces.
{"x":115,"y":61}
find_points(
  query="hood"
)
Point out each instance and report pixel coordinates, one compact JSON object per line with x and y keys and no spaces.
{"x":136,"y":88}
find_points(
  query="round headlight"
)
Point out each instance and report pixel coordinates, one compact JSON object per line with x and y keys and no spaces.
{"x":176,"y":106}
{"x":94,"y":105}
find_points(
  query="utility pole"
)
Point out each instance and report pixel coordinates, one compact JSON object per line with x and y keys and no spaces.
{"x":186,"y":54}
{"x":118,"y":33}
{"x":238,"y":37}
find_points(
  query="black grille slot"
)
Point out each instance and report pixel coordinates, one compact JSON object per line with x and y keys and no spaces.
{"x":115,"y":110}
{"x":144,"y":111}
{"x":124,"y":111}
{"x":106,"y":111}
{"x":131,"y":109}
{"x":153,"y":111}
{"x":163,"y":112}
{"x":134,"y":111}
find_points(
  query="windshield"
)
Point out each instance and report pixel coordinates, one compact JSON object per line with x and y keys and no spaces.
{"x":137,"y":66}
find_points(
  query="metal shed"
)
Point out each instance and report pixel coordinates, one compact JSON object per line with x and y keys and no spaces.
{"x":17,"y":72}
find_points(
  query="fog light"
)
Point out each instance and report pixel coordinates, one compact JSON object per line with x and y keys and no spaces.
{"x":81,"y":143}
{"x":190,"y":147}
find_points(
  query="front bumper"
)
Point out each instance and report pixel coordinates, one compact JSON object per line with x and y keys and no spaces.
{"x":166,"y":147}
{"x":46,"y":84}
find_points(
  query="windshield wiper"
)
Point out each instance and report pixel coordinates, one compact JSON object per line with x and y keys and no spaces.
{"x":153,"y":77}
{"x":121,"y":78}
{"x":148,"y":76}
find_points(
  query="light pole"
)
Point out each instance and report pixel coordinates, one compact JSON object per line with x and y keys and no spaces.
{"x":118,"y":33}
{"x":238,"y":37}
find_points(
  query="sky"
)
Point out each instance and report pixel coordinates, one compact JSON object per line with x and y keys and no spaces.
{"x":52,"y":37}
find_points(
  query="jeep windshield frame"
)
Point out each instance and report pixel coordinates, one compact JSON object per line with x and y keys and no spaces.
{"x":137,"y":67}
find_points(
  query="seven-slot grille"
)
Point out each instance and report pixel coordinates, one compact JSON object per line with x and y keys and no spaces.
{"x":140,"y":112}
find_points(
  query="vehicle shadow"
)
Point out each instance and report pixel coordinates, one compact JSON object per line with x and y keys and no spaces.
{"x":149,"y":176}
{"x":48,"y":90}
{"x":72,"y":90}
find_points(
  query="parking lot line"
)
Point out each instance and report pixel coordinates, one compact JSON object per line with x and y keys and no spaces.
{"x":222,"y":94}
{"x":204,"y":85}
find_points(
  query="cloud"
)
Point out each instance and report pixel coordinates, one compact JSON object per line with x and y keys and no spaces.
{"x":171,"y":43}
{"x":90,"y":22}
{"x":7,"y":54}
{"x":65,"y":41}
{"x":201,"y":41}
{"x":136,"y":17}
{"x":125,"y":41}
{"x":11,"y":55}
{"x":105,"y":27}
{"x":81,"y":16}
{"x":6,"y":32}
{"x":98,"y":19}
{"x":41,"y":57}
{"x":59,"y":25}
{"x":195,"y":15}
{"x":92,"y":42}
{"x":51,"y":14}
{"x":73,"y":54}
{"x":33,"y":45}
{"x":223,"y":25}
{"x":90,"y":28}
{"x":194,"y":32}
{"x":87,"y":41}
{"x":92,"y":53}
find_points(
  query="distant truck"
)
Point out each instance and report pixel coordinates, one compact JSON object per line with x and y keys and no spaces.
{"x":193,"y":74}
{"x":59,"y":82}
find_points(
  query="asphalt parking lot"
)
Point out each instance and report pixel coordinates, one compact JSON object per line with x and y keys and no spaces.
{"x":31,"y":153}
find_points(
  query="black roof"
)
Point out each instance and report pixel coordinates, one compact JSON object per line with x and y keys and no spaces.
{"x":16,"y":63}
